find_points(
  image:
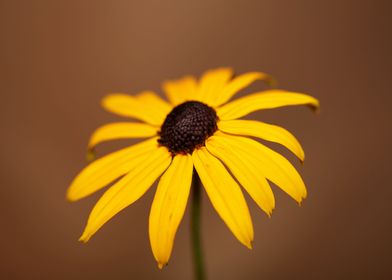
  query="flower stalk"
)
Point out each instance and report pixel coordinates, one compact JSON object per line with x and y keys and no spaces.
{"x":196,"y":228}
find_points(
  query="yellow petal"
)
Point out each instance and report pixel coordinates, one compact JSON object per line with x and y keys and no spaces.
{"x":150,"y":99}
{"x":248,"y":174}
{"x":264,"y":131}
{"x":211,"y":84}
{"x":274,"y":167}
{"x":240,"y":83}
{"x":141,"y":108}
{"x":127,"y":190}
{"x":179,"y":91}
{"x":121,"y":130}
{"x":168,"y":207}
{"x":264,"y":100}
{"x":108,"y":168}
{"x":225,"y":195}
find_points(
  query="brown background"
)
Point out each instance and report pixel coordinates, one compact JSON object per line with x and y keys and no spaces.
{"x":58,"y":58}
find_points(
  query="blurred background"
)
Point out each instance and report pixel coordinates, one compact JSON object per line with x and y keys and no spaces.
{"x":59,"y":58}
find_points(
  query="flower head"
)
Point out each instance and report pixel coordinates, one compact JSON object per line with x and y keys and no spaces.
{"x":196,"y":130}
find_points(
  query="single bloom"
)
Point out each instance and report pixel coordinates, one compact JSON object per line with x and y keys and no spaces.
{"x":196,"y":129}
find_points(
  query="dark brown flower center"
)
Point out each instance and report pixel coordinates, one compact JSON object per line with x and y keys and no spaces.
{"x":187,"y":127}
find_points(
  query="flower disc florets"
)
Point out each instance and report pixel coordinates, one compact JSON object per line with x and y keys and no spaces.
{"x":187,"y":127}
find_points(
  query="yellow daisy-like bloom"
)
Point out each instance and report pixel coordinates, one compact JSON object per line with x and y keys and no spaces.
{"x":196,"y":130}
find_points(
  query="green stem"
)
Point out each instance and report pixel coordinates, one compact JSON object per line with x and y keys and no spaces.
{"x":195,"y":228}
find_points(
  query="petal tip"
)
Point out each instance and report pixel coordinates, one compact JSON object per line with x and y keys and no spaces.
{"x":108,"y":100}
{"x":90,"y":155}
{"x":300,"y":202}
{"x":301,"y":156}
{"x":70,"y":196}
{"x":304,"y":194}
{"x":315,"y":106}
{"x":271,"y":81}
{"x":105,"y":100}
{"x":85,"y":237}
{"x":161,"y":265}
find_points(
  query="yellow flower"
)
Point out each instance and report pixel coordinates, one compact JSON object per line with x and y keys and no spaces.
{"x":196,"y":130}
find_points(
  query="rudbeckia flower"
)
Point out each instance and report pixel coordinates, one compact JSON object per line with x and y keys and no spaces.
{"x":196,"y":130}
